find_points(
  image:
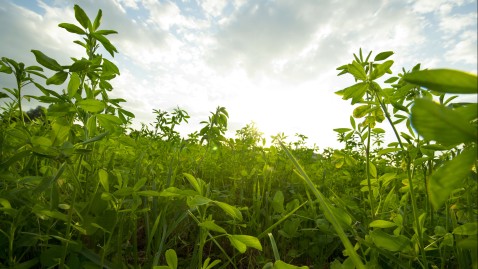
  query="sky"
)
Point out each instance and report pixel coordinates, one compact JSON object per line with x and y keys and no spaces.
{"x":271,"y":62}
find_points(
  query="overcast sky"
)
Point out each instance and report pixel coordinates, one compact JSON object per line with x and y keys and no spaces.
{"x":271,"y":61}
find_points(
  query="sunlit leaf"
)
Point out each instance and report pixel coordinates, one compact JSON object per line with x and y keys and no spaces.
{"x":241,"y":242}
{"x":381,"y":69}
{"x":342,"y":130}
{"x":357,"y":71}
{"x":282,"y":265}
{"x":450,"y":176}
{"x":171,"y":259}
{"x":383,"y":55}
{"x":382,"y":224}
{"x":91,"y":105}
{"x":240,"y":246}
{"x":194,"y":182}
{"x":230,"y":210}
{"x":361,"y":111}
{"x":441,"y":124}
{"x":444,"y":80}
{"x":356,"y":92}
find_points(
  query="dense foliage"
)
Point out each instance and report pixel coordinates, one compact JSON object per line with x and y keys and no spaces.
{"x":80,"y":189}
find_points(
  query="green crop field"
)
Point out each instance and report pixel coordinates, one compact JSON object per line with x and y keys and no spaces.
{"x":80,"y":188}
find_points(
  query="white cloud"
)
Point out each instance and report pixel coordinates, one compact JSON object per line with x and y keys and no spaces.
{"x":129,"y":3}
{"x":454,"y":24}
{"x":272,"y":62}
{"x":427,"y":6}
{"x":213,"y":7}
{"x":465,"y":50}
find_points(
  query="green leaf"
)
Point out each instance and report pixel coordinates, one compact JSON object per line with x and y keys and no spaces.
{"x":43,"y":212}
{"x":471,"y":242}
{"x":72,"y":28}
{"x":278,"y":202}
{"x":391,"y":80}
{"x":73,"y":85}
{"x":230,"y":210}
{"x":381,"y":69}
{"x":171,"y":259}
{"x":470,"y":228}
{"x":342,"y":130}
{"x":82,"y":18}
{"x":80,"y":65}
{"x":382,"y":224}
{"x":361,"y":111}
{"x":383,"y":55}
{"x":97,"y":21}
{"x":450,"y":176}
{"x":241,"y":242}
{"x":207,"y":265}
{"x":197,"y":200}
{"x":441,"y":124}
{"x":372,"y":170}
{"x":390,"y":242}
{"x":96,"y":138}
{"x":342,"y":216}
{"x":60,"y":129}
{"x":356,"y":92}
{"x":149,"y":193}
{"x":388,"y":150}
{"x":210,"y":225}
{"x":399,"y":106}
{"x":57,"y":79}
{"x":444,"y":80}
{"x":282,"y":265}
{"x":109,"y":122}
{"x":357,"y":71}
{"x":91,"y":105}
{"x":240,"y":246}
{"x":109,"y":68}
{"x":5,"y":69}
{"x":106,"y":43}
{"x":47,"y":61}
{"x":42,"y":145}
{"x":103,"y":176}
{"x":194,"y":182}
{"x":106,"y":32}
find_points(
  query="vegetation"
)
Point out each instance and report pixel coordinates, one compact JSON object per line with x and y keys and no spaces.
{"x":80,"y":189}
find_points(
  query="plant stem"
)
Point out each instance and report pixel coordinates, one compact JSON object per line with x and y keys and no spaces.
{"x":410,"y":183}
{"x":367,"y":168}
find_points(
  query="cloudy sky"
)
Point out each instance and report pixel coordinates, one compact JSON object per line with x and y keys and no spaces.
{"x":268,"y":61}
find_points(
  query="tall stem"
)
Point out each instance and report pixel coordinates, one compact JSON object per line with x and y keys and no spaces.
{"x":410,"y":183}
{"x":370,"y":191}
{"x":19,"y":97}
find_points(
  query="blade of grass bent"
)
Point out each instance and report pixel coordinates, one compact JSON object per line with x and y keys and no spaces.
{"x":327,"y":211}
{"x":270,"y":228}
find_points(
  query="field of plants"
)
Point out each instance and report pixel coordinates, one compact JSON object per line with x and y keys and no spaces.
{"x":79,"y":188}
